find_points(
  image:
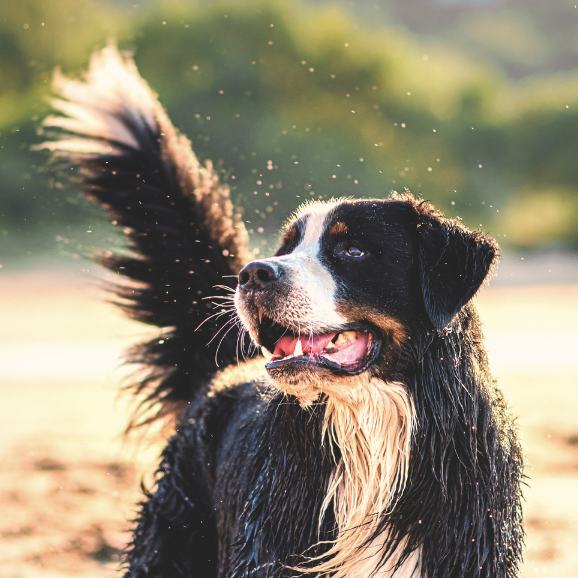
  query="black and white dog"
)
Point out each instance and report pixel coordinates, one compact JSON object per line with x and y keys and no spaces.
{"x":371,"y":441}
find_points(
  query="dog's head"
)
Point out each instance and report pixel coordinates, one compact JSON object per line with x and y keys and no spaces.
{"x":350,"y":283}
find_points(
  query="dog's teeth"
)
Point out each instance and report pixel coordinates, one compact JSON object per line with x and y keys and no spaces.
{"x":266,"y":353}
{"x":341,"y":338}
{"x":260,"y":312}
{"x":298,"y":348}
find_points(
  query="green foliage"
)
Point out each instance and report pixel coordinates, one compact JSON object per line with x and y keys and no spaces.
{"x":297,"y":103}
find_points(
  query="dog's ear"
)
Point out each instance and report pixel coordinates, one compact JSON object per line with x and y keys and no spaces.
{"x":454,"y":262}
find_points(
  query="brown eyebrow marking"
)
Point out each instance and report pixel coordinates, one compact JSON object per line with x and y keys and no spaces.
{"x":290,"y":235}
{"x":339,"y":228}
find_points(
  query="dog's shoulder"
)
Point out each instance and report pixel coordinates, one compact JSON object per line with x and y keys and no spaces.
{"x":236,"y":393}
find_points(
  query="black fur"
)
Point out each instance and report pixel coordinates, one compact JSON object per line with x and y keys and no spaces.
{"x":241,"y":483}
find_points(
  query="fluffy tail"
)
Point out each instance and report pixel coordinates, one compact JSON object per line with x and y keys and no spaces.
{"x":115,"y":141}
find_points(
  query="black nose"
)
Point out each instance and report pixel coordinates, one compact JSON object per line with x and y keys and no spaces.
{"x":257,"y":275}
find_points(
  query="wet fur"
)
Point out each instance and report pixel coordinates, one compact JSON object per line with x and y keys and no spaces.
{"x":411,"y":468}
{"x":372,"y":426}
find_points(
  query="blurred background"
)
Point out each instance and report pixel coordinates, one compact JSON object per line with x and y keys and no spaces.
{"x":471,"y":104}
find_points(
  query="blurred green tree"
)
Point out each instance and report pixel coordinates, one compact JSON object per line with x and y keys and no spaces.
{"x":294,"y":103}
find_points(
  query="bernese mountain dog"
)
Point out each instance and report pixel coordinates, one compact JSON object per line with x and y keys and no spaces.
{"x":368,"y":439}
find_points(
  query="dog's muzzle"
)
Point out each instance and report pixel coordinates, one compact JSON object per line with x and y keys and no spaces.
{"x":266,"y":301}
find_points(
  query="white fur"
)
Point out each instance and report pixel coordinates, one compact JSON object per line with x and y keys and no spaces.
{"x":92,"y":108}
{"x":372,"y":423}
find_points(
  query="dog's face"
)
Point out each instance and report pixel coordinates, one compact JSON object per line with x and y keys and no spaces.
{"x":336,"y":302}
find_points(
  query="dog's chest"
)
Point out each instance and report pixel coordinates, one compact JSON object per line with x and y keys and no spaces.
{"x":366,"y":565}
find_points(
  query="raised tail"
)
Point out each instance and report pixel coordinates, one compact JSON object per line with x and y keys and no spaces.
{"x":115,"y":141}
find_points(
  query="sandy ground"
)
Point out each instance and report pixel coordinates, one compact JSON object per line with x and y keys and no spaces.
{"x":69,"y":483}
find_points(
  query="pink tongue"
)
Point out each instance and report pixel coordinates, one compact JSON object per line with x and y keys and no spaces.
{"x":352,"y":352}
{"x":349,"y":353}
{"x":315,"y":344}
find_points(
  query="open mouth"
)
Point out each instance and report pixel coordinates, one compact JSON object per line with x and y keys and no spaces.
{"x":347,"y":352}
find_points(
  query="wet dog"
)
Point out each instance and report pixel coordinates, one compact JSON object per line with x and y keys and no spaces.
{"x":369,"y":439}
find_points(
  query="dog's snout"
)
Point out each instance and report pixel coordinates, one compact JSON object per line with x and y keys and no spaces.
{"x":257,"y":275}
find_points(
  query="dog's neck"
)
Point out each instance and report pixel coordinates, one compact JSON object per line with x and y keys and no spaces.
{"x":372,"y":427}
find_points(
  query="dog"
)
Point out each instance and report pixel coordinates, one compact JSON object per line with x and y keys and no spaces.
{"x":369,"y":438}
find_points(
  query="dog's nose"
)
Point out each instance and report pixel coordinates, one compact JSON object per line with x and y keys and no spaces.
{"x":257,"y":275}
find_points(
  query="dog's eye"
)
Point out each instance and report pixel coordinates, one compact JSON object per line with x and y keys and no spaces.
{"x":354,"y":251}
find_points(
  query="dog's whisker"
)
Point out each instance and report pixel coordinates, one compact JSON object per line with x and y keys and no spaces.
{"x":216,"y":315}
{"x":225,"y":288}
{"x":240,"y":345}
{"x":223,"y":297}
{"x":232,"y":326}
{"x":231,"y":322}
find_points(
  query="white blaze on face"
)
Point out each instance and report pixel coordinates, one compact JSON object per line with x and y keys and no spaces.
{"x":311,"y":299}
